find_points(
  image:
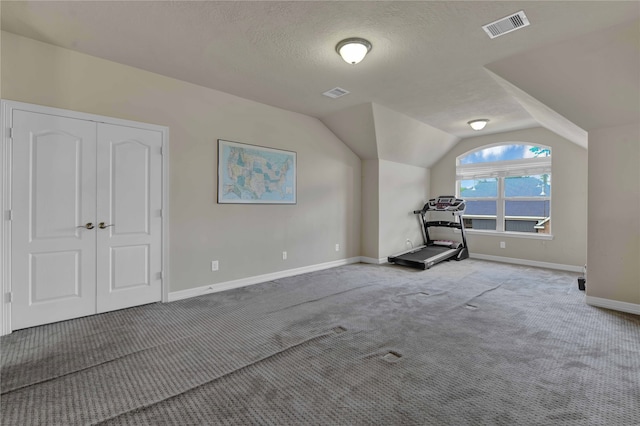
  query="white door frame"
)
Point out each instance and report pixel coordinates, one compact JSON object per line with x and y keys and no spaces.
{"x":7,"y":109}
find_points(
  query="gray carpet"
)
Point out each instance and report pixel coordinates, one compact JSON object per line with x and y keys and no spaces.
{"x":464,"y":343}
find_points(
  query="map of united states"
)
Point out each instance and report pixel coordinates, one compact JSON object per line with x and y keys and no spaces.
{"x":253,"y":174}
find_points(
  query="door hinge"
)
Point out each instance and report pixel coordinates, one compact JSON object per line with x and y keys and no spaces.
{"x":10,"y":132}
{"x":160,"y":275}
{"x":8,"y":215}
{"x":8,"y":297}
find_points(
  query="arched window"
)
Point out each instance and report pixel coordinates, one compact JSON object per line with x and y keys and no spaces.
{"x":507,"y":188}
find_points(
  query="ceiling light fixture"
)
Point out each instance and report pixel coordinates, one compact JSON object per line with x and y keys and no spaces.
{"x":478,"y":124}
{"x":353,"y":50}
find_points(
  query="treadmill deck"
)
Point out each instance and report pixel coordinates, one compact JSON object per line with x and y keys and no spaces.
{"x":424,"y":257}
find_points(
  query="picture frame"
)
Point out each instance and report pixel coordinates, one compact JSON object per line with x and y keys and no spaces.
{"x":253,"y":174}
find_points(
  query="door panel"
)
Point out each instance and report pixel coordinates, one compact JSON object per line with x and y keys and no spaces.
{"x":129,"y":182}
{"x":53,"y":188}
{"x":54,"y":276}
{"x":130,"y":187}
{"x":62,"y":151}
{"x":130,"y":267}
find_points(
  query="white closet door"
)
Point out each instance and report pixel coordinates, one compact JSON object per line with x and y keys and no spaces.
{"x":129,"y":205}
{"x":53,"y":188}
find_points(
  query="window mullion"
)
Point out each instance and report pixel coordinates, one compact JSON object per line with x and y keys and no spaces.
{"x":500,"y":206}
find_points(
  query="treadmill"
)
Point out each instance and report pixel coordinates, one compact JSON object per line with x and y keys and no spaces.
{"x":432,"y":252}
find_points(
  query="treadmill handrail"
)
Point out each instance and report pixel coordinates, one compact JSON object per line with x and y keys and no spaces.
{"x":443,"y":224}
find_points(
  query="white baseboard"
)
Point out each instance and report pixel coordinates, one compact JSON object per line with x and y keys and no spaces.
{"x":243,"y":282}
{"x":373,"y":260}
{"x":228,"y":285}
{"x":525,"y":262}
{"x":616,"y":305}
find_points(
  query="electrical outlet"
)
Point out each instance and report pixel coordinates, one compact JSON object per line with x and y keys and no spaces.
{"x":214,"y":265}
{"x":503,"y":244}
{"x":337,"y":247}
{"x":284,"y":255}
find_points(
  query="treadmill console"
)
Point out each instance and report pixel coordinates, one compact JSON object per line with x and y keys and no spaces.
{"x":446,"y":203}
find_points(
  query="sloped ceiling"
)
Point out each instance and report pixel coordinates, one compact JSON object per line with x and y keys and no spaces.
{"x":594,"y":80}
{"x":356,"y":125}
{"x":375,"y":132}
{"x":402,"y":139}
{"x":545,"y":116}
{"x":427,"y":63}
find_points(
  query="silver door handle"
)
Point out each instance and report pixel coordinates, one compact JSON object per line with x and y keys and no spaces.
{"x":87,"y":225}
{"x":102,"y":225}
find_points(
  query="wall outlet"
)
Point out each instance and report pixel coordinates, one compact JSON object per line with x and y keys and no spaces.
{"x":284,"y":255}
{"x":337,"y":247}
{"x":503,"y":244}
{"x":214,"y":265}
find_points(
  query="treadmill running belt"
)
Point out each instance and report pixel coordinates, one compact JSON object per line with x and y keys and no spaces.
{"x":424,"y":253}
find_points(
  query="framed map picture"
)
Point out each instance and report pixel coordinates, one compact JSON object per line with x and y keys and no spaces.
{"x":250,"y":174}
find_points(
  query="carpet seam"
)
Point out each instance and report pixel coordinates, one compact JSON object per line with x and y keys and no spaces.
{"x":146,"y":349}
{"x":320,"y":298}
{"x":480,"y":295}
{"x":144,"y":407}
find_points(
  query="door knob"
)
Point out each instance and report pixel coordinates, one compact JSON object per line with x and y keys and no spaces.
{"x":88,"y":225}
{"x":103,"y":225}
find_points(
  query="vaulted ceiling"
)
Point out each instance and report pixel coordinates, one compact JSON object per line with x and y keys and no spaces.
{"x":575,"y":68}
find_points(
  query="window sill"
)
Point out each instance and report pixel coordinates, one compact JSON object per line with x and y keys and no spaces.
{"x":510,"y":234}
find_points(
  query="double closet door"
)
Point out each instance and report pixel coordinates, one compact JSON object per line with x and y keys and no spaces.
{"x":86,"y":218}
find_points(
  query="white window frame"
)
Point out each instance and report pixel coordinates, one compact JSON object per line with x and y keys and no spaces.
{"x":501,"y":170}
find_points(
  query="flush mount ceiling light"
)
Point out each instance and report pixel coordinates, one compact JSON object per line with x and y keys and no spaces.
{"x":478,"y":124}
{"x":353,"y":50}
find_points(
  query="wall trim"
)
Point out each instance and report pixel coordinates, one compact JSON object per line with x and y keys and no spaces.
{"x":243,"y":282}
{"x":5,"y":225}
{"x":526,"y":262}
{"x":373,"y":260}
{"x":616,"y":305}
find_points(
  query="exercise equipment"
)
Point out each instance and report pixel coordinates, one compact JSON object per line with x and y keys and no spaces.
{"x":435,"y":251}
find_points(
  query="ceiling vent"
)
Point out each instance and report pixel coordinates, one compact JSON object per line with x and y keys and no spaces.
{"x":336,"y":92}
{"x":506,"y":25}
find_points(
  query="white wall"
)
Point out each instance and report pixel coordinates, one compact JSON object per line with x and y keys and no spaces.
{"x":568,"y":200}
{"x":405,"y":140}
{"x":613,"y":265}
{"x":370,"y":209}
{"x":248,"y":240}
{"x":403,"y":189}
{"x":355,"y":127}
{"x":390,"y":193}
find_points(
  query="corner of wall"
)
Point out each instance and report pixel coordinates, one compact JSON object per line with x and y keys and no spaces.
{"x":613,"y":250}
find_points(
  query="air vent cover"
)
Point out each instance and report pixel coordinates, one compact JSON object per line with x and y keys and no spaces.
{"x":336,"y":92}
{"x":506,"y":25}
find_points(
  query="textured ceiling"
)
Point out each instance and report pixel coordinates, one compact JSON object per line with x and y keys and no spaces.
{"x":594,"y":80}
{"x":428,"y":58}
